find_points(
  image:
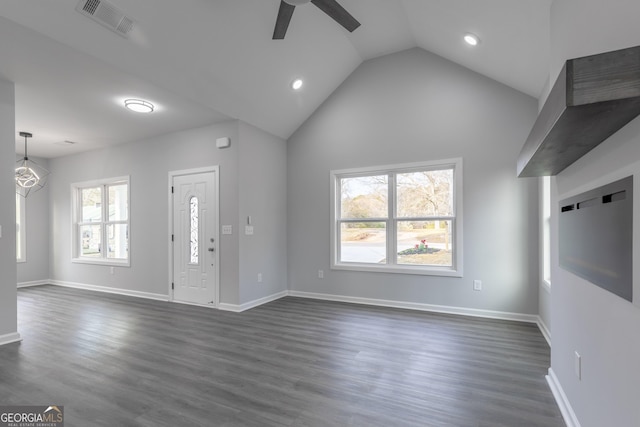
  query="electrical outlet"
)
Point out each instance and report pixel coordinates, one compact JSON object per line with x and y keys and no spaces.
{"x":227,"y":229}
{"x":320,"y":274}
{"x":477,"y":285}
{"x":248,"y":230}
{"x":259,"y":277}
{"x":577,"y":365}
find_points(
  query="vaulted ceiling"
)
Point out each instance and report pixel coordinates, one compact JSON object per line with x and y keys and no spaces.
{"x":205,"y":61}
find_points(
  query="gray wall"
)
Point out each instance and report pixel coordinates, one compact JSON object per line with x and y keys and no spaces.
{"x":263,"y":196}
{"x":148,"y":164}
{"x":413,"y":106}
{"x":252,"y":182}
{"x":36,"y":267}
{"x":8,"y":275}
{"x":600,"y":326}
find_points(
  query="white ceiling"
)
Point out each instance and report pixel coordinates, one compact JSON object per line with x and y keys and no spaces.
{"x":205,"y":61}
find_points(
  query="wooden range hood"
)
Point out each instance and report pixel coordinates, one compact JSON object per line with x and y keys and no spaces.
{"x":592,"y":99}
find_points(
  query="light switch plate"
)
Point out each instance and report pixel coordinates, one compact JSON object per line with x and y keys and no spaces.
{"x":248,"y":230}
{"x":227,"y":229}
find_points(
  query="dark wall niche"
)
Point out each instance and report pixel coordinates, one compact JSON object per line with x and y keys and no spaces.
{"x":596,"y":236}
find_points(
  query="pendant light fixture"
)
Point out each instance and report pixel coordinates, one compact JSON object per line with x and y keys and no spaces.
{"x":30,"y":176}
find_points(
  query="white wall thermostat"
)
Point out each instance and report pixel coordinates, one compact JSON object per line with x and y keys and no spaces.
{"x":223,"y":142}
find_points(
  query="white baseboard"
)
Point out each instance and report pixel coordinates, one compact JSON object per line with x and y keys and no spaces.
{"x":34,"y":283}
{"x":238,"y":308}
{"x":127,"y":292}
{"x":251,"y":304}
{"x":501,"y":315}
{"x":160,"y":297}
{"x":546,"y":333}
{"x":561,"y":399}
{"x":9,"y":338}
{"x":229,"y":307}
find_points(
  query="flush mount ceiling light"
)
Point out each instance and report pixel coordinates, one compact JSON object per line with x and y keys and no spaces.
{"x":471,"y":39}
{"x":138,"y":105}
{"x":297,"y":84}
{"x":30,"y":176}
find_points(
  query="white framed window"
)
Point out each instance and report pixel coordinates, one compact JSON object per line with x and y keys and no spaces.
{"x":101,"y":221}
{"x":21,"y":235}
{"x":398,"y":218}
{"x":546,"y":229}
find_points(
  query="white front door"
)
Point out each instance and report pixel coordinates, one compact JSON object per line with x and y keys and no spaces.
{"x":194,"y":246}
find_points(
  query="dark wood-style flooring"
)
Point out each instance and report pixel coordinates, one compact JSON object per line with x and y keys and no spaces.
{"x":119,"y":361}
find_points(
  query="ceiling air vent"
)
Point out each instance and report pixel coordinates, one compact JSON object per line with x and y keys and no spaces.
{"x":106,"y":14}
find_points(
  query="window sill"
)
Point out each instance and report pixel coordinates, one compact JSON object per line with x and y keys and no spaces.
{"x":113,"y":263}
{"x":396,"y":269}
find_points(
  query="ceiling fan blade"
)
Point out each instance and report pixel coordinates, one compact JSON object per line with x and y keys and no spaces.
{"x":338,"y":13}
{"x":282,"y":23}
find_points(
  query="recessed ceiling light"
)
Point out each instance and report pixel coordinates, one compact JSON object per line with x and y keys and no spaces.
{"x":138,"y":105}
{"x":471,"y":39}
{"x":297,"y":84}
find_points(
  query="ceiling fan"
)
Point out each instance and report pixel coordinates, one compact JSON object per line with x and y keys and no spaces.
{"x":330,"y":7}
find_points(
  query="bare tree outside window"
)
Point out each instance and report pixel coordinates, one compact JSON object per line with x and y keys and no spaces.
{"x":397,"y":217}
